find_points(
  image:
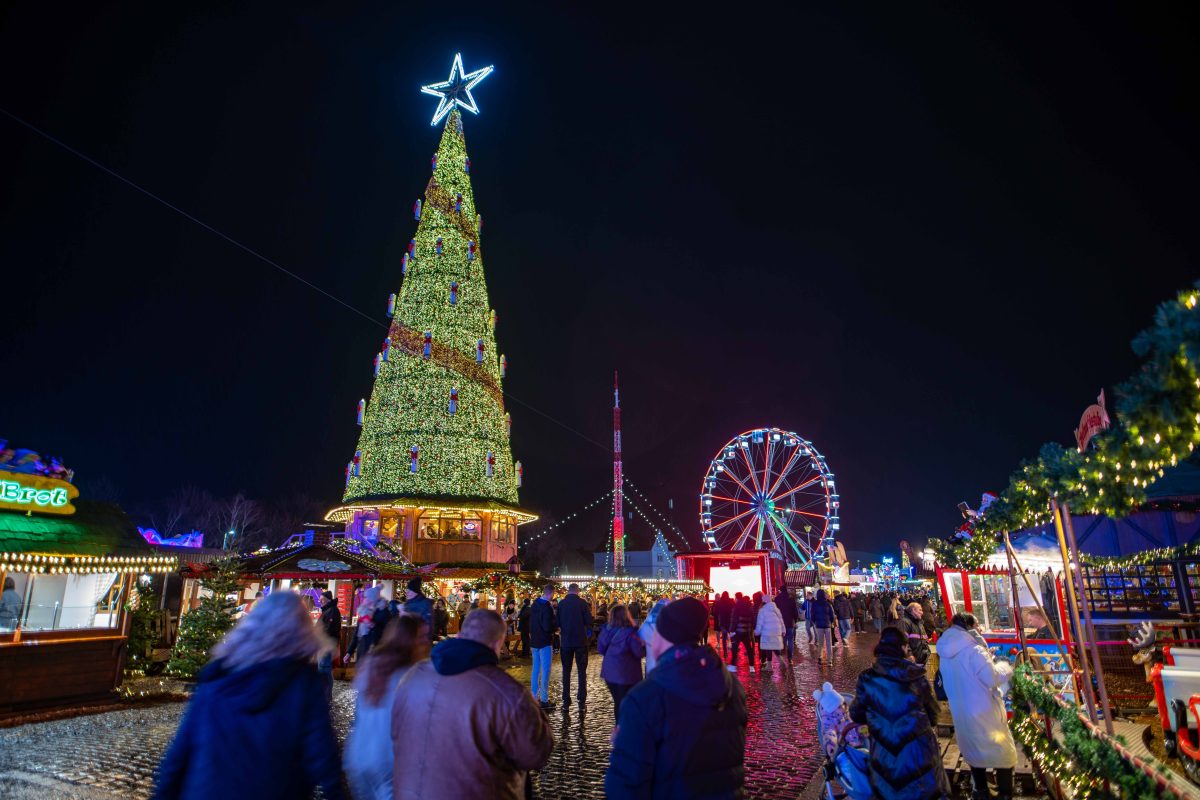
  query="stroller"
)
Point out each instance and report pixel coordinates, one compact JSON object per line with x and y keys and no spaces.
{"x":846,"y":771}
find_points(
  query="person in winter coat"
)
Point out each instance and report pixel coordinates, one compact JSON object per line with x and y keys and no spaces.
{"x":743,"y":621}
{"x":875,"y":609}
{"x":769,"y":629}
{"x":913,"y":627}
{"x":895,"y":701}
{"x":646,"y":630}
{"x":415,"y":602}
{"x":975,"y":687}
{"x":806,"y":608}
{"x":486,"y":732}
{"x":859,"y":610}
{"x":682,"y":731}
{"x":844,"y":612}
{"x":722,"y":613}
{"x":10,"y":606}
{"x":820,"y":610}
{"x":623,"y":651}
{"x":894,"y":611}
{"x":331,"y":626}
{"x":791,"y":615}
{"x":575,"y":628}
{"x":368,"y":752}
{"x":258,"y":723}
{"x":542,"y":626}
{"x":523,"y":626}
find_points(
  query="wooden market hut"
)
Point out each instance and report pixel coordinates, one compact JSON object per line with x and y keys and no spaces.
{"x":64,"y":622}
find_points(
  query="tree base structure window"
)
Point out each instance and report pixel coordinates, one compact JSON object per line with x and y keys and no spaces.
{"x":504,"y":530}
{"x":450,"y":526}
{"x":73,"y":601}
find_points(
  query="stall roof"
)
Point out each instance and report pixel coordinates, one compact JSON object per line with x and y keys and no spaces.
{"x":336,"y":559}
{"x":95,"y":529}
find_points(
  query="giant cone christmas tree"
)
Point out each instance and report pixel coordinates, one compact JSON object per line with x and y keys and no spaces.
{"x":435,"y":427}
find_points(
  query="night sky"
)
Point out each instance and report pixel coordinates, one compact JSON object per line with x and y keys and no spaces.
{"x":922,"y":239}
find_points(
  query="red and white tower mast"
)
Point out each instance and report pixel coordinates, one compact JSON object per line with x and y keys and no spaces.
{"x":618,"y":530}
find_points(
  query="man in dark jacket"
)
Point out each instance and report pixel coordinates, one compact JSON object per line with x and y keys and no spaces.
{"x":857,"y":606}
{"x":331,"y":624}
{"x":820,"y":611}
{"x":682,"y":731}
{"x":790,"y":613}
{"x":523,"y":626}
{"x":742,"y":626}
{"x":844,"y":612}
{"x":575,"y":628}
{"x":722,"y":613}
{"x":541,"y":642}
{"x":914,"y":628}
{"x":415,"y":602}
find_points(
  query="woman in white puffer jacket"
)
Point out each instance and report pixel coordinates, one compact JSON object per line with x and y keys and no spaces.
{"x":769,"y":629}
{"x":975,"y":686}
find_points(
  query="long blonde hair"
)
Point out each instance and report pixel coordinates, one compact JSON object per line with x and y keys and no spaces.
{"x":405,"y":641}
{"x":278,"y":628}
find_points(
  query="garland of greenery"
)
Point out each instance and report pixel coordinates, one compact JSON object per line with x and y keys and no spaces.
{"x":1157,"y":425}
{"x":1083,"y":762}
{"x":501,"y":583}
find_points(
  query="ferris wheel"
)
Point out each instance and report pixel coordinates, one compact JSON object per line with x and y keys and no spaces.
{"x":768,"y":489}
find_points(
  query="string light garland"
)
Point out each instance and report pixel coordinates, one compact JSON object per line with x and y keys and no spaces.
{"x":412,"y":443}
{"x":1157,"y":425}
{"x":670,"y":525}
{"x":68,"y":565}
{"x":566,"y":519}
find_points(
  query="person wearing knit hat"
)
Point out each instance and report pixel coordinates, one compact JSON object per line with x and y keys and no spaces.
{"x":684,"y":726}
{"x":416,"y":602}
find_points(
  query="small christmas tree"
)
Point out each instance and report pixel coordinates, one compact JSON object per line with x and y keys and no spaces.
{"x":200,"y":630}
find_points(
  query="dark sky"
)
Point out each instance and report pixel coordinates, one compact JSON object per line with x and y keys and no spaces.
{"x":920,"y":238}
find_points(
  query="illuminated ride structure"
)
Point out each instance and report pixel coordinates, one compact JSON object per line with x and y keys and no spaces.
{"x":768,"y":515}
{"x":769,"y":489}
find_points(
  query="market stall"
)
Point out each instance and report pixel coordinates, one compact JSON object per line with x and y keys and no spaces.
{"x":68,"y":568}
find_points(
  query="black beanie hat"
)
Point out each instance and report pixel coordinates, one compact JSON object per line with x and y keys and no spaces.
{"x":414,"y":585}
{"x":682,"y":621}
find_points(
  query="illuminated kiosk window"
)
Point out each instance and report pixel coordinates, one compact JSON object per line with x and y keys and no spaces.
{"x":451,"y":526}
{"x":954,"y":593}
{"x":747,"y":580}
{"x":65,"y":602}
{"x":504,"y":530}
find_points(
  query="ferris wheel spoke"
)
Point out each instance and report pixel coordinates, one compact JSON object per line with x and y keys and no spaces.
{"x":750,"y":469}
{"x":783,"y":474}
{"x":717,"y":527}
{"x":767,"y":462}
{"x":745,"y":535}
{"x":743,"y":486}
{"x":801,"y":487}
{"x":732,"y":500}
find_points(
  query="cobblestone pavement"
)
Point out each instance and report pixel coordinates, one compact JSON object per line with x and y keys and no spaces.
{"x":114,"y":754}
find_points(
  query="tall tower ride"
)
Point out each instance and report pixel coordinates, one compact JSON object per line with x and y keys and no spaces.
{"x":618,"y":486}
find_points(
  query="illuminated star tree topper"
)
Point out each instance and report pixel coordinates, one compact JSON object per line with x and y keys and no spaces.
{"x":456,"y":91}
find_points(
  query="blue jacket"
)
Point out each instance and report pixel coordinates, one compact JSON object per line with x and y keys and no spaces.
{"x":574,"y":621}
{"x":622,"y":649}
{"x":821,"y":613}
{"x":541,"y":624}
{"x":261,"y":732}
{"x":423,"y":608}
{"x":682,"y":732}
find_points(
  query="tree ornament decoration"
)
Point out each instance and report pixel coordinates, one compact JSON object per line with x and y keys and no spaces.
{"x":362,"y":409}
{"x":453,"y":293}
{"x":391,"y":312}
{"x":455,"y":93}
{"x":412,"y":248}
{"x":503,"y":367}
{"x":490,"y":470}
{"x":378,"y":361}
{"x":520,"y":474}
{"x":357,"y":461}
{"x":453,"y":400}
{"x":458,"y":203}
{"x":479,"y":223}
{"x":437,"y":246}
{"x":414,"y":454}
{"x":492,"y":318}
{"x":471,"y":250}
{"x":386,"y":349}
{"x":349,"y":471}
{"x":479,"y":351}
{"x":404,"y":265}
{"x":433,"y":163}
{"x":467,"y":165}
{"x":428,"y":350}
{"x":508,"y":424}
{"x":417,"y":210}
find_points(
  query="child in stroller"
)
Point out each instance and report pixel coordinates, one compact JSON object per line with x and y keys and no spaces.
{"x":844,"y":745}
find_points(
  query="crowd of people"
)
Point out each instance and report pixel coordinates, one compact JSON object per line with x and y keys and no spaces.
{"x":436,"y":716}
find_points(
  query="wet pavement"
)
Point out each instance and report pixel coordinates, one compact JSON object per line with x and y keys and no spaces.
{"x":114,"y":754}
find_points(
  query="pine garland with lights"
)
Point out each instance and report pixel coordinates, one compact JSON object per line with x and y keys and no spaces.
{"x":202,"y":628}
{"x":444,"y":399}
{"x":1157,"y":425}
{"x":1081,"y":761}
{"x":502,"y":583}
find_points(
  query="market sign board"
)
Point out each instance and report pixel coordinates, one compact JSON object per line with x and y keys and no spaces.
{"x":20,"y":492}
